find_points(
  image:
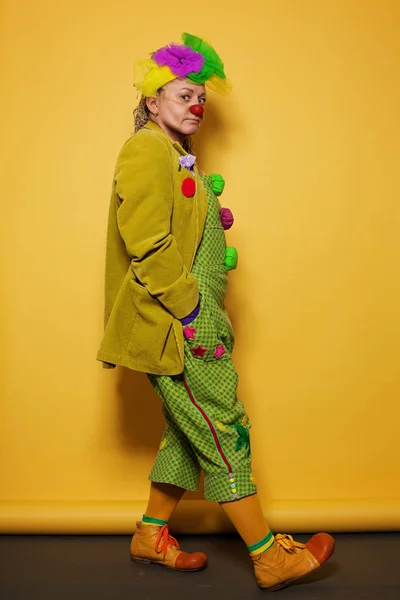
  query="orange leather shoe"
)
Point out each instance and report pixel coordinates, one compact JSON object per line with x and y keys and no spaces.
{"x":152,"y":543}
{"x":289,"y":560}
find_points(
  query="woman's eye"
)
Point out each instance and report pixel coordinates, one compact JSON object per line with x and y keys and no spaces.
{"x":202,"y":100}
{"x":185,"y":96}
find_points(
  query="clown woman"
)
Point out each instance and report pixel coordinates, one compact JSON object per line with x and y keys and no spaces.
{"x":167,"y":266}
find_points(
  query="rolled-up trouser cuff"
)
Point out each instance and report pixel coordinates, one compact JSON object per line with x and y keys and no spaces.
{"x":176,"y":463}
{"x":190,"y":485}
{"x":227,"y":487}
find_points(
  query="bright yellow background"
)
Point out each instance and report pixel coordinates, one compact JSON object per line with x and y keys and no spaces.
{"x":308,"y":143}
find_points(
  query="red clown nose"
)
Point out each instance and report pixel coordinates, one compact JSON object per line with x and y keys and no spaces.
{"x":197,"y":109}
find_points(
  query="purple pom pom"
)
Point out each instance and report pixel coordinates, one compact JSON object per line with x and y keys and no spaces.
{"x":226,"y":217}
{"x":182,"y":60}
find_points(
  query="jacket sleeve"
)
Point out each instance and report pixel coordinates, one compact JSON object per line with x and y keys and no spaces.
{"x":144,"y":185}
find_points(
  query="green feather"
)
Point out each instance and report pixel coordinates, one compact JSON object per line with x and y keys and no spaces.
{"x":213,"y":63}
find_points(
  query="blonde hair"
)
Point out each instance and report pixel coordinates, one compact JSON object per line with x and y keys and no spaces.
{"x":141,"y":116}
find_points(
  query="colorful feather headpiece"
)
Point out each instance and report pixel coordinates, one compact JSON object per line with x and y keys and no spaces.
{"x":195,"y":59}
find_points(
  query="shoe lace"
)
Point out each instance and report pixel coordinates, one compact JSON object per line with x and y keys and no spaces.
{"x":165,"y":540}
{"x":288,"y":543}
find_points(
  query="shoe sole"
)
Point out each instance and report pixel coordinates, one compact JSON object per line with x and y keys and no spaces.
{"x":280,"y":586}
{"x":284,"y":584}
{"x":157,"y":562}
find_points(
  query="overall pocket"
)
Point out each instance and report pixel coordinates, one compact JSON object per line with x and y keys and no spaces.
{"x":202,"y":339}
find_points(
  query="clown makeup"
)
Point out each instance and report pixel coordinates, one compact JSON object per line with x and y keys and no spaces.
{"x":170,"y":109}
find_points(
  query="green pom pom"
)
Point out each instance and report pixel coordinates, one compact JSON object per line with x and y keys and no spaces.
{"x":217,"y":184}
{"x":213,"y":63}
{"x":231,"y":258}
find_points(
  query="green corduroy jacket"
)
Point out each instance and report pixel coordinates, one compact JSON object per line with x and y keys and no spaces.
{"x":153,"y":234}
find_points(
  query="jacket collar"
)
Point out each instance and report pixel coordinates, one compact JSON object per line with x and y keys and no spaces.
{"x":154,"y":127}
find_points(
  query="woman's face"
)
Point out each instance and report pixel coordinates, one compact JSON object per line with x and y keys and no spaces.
{"x":170,"y":108}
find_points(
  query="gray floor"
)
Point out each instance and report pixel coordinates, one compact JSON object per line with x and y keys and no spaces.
{"x":364,"y":567}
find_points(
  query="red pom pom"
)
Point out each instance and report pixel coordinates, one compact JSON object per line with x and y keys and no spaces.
{"x":188,"y":187}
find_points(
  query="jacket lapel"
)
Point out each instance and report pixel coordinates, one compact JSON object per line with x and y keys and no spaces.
{"x":200,"y":199}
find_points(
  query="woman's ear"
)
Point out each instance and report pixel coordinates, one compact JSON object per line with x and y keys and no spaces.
{"x":152,"y":105}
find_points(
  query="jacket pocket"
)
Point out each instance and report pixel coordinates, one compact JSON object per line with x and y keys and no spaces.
{"x":152,"y":338}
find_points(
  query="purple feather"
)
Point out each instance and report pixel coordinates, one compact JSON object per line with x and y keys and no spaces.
{"x":182,"y":60}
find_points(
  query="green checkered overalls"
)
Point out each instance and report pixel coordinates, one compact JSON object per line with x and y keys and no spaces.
{"x":206,"y":424}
